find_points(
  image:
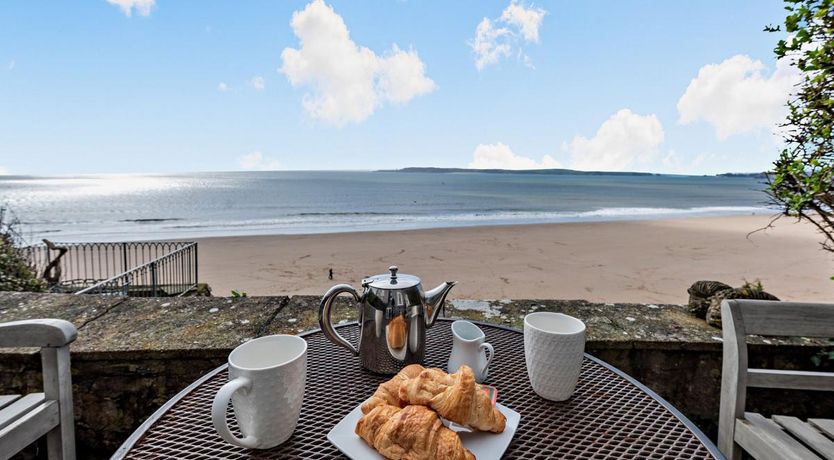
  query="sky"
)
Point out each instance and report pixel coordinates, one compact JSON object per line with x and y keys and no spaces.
{"x":162,"y":86}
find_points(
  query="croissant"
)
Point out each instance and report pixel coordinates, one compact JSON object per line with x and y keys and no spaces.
{"x":455,"y":397}
{"x":413,"y":433}
{"x":388,"y":392}
{"x":396,"y":332}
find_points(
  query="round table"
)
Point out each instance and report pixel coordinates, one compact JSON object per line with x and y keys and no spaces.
{"x":609,"y":416}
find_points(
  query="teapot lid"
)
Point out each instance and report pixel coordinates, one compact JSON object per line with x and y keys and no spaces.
{"x":391,"y":280}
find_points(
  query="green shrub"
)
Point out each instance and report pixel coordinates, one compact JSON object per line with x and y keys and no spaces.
{"x":15,"y":272}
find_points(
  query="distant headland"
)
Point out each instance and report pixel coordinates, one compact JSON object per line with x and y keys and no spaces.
{"x":553,"y":172}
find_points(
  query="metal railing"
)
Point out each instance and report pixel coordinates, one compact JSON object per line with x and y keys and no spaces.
{"x":147,"y":269}
{"x":173,"y":274}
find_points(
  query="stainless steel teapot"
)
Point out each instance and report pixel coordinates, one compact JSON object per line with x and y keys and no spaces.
{"x":394,"y":313}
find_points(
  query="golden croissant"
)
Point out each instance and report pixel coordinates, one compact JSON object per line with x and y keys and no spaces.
{"x":455,"y":397}
{"x":413,"y":433}
{"x":396,"y":332}
{"x":389,"y":392}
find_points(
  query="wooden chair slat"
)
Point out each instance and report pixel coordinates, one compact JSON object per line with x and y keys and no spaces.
{"x":824,"y":425}
{"x":764,"y":440}
{"x":28,"y":428}
{"x":5,"y":400}
{"x":23,"y":420}
{"x":796,"y":380}
{"x":787,"y":319}
{"x":20,"y":407}
{"x":807,"y":434}
{"x":37,"y":333}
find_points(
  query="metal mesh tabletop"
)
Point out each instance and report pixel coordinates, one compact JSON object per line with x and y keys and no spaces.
{"x":608,"y":417}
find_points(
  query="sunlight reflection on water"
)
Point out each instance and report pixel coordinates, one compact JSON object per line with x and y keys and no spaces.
{"x":136,"y":206}
{"x":93,"y":186}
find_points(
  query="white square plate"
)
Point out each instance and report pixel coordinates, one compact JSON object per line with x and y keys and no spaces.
{"x":485,"y":446}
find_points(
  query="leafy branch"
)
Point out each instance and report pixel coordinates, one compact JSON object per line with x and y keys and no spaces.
{"x":802,"y":181}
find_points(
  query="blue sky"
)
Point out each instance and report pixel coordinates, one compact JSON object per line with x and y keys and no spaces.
{"x":683,"y":87}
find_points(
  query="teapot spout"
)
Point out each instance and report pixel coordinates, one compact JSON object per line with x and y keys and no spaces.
{"x":434,"y":299}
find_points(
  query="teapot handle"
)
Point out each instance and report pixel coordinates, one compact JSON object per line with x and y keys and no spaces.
{"x":325,"y":312}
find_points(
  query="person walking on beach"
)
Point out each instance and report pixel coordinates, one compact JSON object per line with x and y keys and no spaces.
{"x":330,"y":274}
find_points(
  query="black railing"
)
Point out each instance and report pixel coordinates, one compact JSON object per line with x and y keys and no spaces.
{"x":171,"y":266}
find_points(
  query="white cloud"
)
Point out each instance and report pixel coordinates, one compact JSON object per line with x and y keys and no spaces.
{"x":222,"y":87}
{"x":527,"y":19}
{"x":143,"y":7}
{"x":258,"y":83}
{"x":500,"y":156}
{"x":506,"y":35}
{"x":699,"y":159}
{"x":347,"y":82}
{"x":736,"y":97}
{"x":403,"y":76}
{"x":3,"y":171}
{"x":256,"y":161}
{"x":12,"y":63}
{"x":489,"y":45}
{"x":672,"y":162}
{"x":623,"y":140}
{"x":702,"y":163}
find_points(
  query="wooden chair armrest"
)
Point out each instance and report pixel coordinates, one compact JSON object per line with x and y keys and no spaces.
{"x":41,"y":333}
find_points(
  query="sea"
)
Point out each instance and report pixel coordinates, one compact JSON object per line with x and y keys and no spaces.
{"x":181,"y":206}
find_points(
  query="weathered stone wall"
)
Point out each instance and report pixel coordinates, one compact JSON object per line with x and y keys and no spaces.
{"x":134,"y":354}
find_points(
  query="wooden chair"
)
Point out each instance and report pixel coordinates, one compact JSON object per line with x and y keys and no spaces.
{"x":24,"y":419}
{"x":779,"y":437}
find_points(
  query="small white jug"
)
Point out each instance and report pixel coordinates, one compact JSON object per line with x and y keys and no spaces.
{"x":469,"y":347}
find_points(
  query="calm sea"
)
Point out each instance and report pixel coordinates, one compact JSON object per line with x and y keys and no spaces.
{"x":132,"y":207}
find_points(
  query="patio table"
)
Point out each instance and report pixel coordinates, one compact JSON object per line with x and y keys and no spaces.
{"x":609,"y":416}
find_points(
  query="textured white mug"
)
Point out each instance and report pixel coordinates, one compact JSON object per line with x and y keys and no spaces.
{"x":469,"y":347}
{"x":553,"y":349}
{"x":266,"y":387}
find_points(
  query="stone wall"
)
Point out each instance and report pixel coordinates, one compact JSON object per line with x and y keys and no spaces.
{"x":133,"y":354}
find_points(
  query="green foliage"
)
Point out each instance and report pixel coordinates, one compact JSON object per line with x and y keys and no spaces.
{"x":750,"y":288}
{"x":236,"y":293}
{"x":15,"y":272}
{"x":199,"y":290}
{"x":818,"y":358}
{"x":802,"y":182}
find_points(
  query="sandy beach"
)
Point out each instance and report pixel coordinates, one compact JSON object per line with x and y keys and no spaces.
{"x":636,"y":261}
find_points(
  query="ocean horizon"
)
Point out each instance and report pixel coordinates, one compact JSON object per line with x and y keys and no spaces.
{"x":195,"y":205}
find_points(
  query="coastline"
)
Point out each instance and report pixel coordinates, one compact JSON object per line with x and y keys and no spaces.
{"x":173,"y":228}
{"x":651,"y":261}
{"x":206,"y":205}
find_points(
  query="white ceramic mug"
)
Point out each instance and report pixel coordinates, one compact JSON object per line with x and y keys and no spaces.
{"x":469,"y":347}
{"x":266,"y":387}
{"x":553,"y":349}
